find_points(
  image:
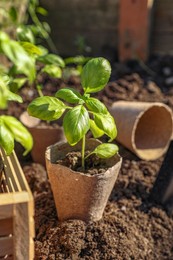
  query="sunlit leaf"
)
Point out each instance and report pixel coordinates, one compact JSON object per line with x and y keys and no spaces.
{"x":106,"y":150}
{"x":77,"y":60}
{"x":76,"y":124}
{"x":96,"y":106}
{"x":30,"y":48}
{"x":53,"y":71}
{"x":95,"y":75}
{"x":14,"y":97}
{"x":51,"y":59}
{"x":16,"y":53}
{"x":46,"y":108}
{"x":70,"y":95}
{"x":96,"y":132}
{"x":6,"y":138}
{"x":18,"y":132}
{"x":106,"y":123}
{"x":25,"y":34}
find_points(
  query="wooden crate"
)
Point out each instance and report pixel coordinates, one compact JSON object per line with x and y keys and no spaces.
{"x":16,"y":211}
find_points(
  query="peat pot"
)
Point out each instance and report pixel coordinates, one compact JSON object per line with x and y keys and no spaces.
{"x":78,"y":195}
{"x":145,"y":128}
{"x":43,"y":136}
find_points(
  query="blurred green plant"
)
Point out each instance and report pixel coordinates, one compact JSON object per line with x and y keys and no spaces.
{"x":74,"y":66}
{"x":27,"y":62}
{"x":23,"y":20}
{"x":11,"y":129}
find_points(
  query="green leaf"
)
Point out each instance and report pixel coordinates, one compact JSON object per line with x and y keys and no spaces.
{"x":18,"y":132}
{"x":12,"y":49}
{"x":77,"y":60}
{"x":53,"y":71}
{"x":30,"y":48}
{"x":25,"y":34}
{"x":96,"y":106}
{"x":46,"y":108}
{"x":14,"y":97}
{"x":52,"y":59}
{"x":106,"y":123}
{"x":95,"y":75}
{"x":6,"y":138}
{"x":41,"y":11}
{"x":13,"y":14}
{"x":96,"y":132}
{"x":76,"y":124}
{"x":106,"y":150}
{"x":3,"y":93}
{"x":70,"y":95}
{"x":16,"y":84}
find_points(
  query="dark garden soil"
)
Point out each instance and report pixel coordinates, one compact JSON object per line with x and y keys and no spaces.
{"x":132,"y":227}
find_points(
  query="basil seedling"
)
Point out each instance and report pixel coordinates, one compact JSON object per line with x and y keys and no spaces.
{"x":83,"y":112}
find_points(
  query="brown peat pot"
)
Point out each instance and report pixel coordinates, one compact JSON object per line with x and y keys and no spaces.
{"x":43,"y":136}
{"x":78,"y":195}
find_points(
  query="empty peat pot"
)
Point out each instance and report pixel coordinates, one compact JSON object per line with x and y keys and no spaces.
{"x":43,"y":136}
{"x":144,"y":128}
{"x":78,"y":195}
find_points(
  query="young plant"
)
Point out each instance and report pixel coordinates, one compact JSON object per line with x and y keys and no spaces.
{"x":85,"y":112}
{"x":24,"y":58}
{"x":10,"y":128}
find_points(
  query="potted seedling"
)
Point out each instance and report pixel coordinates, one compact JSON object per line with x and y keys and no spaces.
{"x":83,"y":171}
{"x":52,"y":65}
{"x":27,"y":63}
{"x":11,"y":129}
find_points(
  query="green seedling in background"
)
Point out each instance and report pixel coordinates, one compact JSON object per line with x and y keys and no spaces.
{"x":24,"y":58}
{"x":83,"y":112}
{"x":11,"y":129}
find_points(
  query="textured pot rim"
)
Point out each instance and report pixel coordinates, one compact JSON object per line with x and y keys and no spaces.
{"x":116,"y":165}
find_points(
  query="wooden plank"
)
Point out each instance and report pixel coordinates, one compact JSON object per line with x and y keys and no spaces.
{"x":14,"y":171}
{"x":134,"y":29}
{"x":22,"y":237}
{"x":16,"y":212}
{"x":6,"y":211}
{"x":14,"y":198}
{"x":20,"y":175}
{"x":6,"y":227}
{"x":6,"y":246}
{"x":10,"y":172}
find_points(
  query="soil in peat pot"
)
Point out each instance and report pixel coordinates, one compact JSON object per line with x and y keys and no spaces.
{"x":132,"y":226}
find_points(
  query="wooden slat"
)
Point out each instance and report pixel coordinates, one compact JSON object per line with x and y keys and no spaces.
{"x":10,"y":173}
{"x":15,"y":173}
{"x":6,"y":246}
{"x":6,"y":226}
{"x":6,"y":211}
{"x":4,"y":186}
{"x":13,"y":198}
{"x":19,"y":173}
{"x":16,"y":212}
{"x":24,"y":233}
